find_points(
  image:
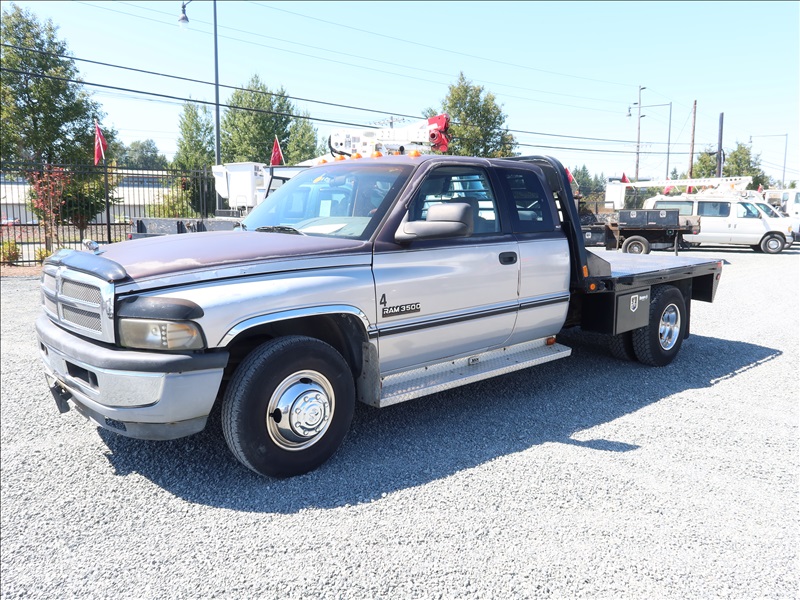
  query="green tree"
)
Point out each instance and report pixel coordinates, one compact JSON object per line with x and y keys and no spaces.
{"x":477,"y":123}
{"x":195,"y":152}
{"x":143,"y":155}
{"x":195,"y":148}
{"x":302,"y":141}
{"x":249,"y":129}
{"x":738,"y":163}
{"x":45,"y":115}
{"x":706,"y":164}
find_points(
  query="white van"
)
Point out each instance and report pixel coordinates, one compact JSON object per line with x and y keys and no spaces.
{"x":787,"y":202}
{"x":729,"y":219}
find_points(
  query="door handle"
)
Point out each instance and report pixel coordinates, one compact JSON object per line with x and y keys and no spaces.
{"x":508,"y":258}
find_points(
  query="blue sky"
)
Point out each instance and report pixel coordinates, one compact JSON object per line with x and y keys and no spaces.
{"x":565,"y":73}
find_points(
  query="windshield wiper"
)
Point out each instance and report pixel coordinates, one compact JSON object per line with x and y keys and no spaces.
{"x":280,"y":229}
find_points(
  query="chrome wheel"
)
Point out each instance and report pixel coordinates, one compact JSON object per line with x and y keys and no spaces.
{"x":669,"y":328}
{"x":300,"y":410}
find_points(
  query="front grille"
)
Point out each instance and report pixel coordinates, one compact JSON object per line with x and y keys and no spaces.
{"x":79,"y":302}
{"x":82,"y":318}
{"x":82,"y":292}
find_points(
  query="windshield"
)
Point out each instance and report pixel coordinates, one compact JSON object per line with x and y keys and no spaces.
{"x":768,"y":210}
{"x":336,"y":200}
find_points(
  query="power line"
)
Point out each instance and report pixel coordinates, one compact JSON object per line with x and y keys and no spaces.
{"x":296,"y":98}
{"x":339,"y":62}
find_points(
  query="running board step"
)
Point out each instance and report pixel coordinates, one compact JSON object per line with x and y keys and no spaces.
{"x":453,"y":373}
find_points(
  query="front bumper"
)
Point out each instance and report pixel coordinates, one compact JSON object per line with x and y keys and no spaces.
{"x":145,"y":395}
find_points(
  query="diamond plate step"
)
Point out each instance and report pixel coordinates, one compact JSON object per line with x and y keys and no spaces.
{"x":453,"y":373}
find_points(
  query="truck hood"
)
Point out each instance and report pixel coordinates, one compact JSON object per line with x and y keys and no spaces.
{"x":172,"y":254}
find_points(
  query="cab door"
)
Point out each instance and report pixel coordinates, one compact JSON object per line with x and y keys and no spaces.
{"x":747,"y":226}
{"x":443,"y":298}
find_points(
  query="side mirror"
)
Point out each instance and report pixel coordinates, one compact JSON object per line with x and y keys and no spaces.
{"x":446,"y":220}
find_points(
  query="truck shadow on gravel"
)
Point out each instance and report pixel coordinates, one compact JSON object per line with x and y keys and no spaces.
{"x":417,"y":442}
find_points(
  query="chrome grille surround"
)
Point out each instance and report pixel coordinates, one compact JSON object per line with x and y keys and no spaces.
{"x":79,"y":302}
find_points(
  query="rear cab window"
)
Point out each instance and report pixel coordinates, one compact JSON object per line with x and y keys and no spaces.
{"x":530,"y":203}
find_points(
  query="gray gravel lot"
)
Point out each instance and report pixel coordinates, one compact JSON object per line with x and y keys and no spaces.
{"x":586,"y":477}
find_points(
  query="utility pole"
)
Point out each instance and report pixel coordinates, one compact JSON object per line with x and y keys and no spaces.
{"x":638,"y":132}
{"x":719,"y":147}
{"x":691,"y":144}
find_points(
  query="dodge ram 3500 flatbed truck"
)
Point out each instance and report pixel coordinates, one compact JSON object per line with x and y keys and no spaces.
{"x":379,"y":279}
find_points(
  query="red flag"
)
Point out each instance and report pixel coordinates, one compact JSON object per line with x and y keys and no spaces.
{"x":625,"y":179}
{"x":668,"y":189}
{"x":277,"y":155}
{"x":569,"y":175}
{"x":100,"y":144}
{"x":760,"y":188}
{"x":689,"y":190}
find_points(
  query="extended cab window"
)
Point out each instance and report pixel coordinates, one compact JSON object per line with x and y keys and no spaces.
{"x":713,"y":209}
{"x":530,"y":203}
{"x":458,"y":184}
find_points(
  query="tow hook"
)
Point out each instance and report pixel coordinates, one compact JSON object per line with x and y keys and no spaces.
{"x":61,"y":396}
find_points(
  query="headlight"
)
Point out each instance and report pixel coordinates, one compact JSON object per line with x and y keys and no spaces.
{"x":149,"y":334}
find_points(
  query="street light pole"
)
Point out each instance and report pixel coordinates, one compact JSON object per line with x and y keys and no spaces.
{"x":183,"y":20}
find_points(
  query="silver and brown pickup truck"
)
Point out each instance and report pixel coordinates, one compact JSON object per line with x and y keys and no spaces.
{"x":381,"y":280}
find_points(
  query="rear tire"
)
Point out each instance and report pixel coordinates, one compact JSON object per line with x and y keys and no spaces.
{"x":636,"y":245}
{"x":772,"y":243}
{"x":621,"y":346}
{"x":288,"y":406}
{"x":657,"y":343}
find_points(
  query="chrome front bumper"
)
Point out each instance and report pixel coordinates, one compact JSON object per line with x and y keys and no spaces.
{"x":145,"y":395}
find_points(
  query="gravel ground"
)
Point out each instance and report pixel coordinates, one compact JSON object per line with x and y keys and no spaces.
{"x":587,"y":477}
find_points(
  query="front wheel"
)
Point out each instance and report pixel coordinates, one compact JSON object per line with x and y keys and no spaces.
{"x":636,"y":245}
{"x":288,"y":406}
{"x":772,"y":243}
{"x":657,"y":343}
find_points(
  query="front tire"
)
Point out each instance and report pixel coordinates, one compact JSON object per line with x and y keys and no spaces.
{"x":772,"y":243}
{"x":636,"y":245}
{"x":288,"y":406}
{"x":657,"y":343}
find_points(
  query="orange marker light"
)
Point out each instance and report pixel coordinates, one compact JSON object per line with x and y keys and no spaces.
{"x":551,"y":340}
{"x":356,"y":155}
{"x":585,"y":271}
{"x":340,"y":157}
{"x":376,"y":154}
{"x":415,"y":153}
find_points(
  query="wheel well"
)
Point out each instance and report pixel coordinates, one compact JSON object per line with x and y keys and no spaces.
{"x":343,"y":332}
{"x":778,"y":233}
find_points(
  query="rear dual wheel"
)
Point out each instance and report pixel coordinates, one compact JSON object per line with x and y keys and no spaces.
{"x":657,"y":343}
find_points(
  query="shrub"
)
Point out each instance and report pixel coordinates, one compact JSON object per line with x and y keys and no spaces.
{"x":10,"y":252}
{"x":41,"y":254}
